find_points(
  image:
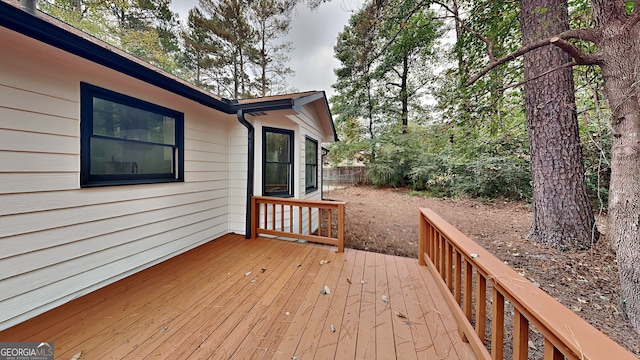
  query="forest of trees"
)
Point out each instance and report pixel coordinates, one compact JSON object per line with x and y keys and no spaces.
{"x":533,"y":100}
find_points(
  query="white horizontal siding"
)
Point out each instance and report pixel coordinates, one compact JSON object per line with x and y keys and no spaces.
{"x":28,"y":182}
{"x":309,"y":127}
{"x":238,"y":149}
{"x":21,"y":120}
{"x":25,"y":100}
{"x":45,"y":229}
{"x":26,"y":162}
{"x":58,"y":241}
{"x":36,"y":142}
{"x":15,"y":204}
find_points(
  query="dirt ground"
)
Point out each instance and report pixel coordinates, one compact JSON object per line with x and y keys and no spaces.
{"x":386,"y":221}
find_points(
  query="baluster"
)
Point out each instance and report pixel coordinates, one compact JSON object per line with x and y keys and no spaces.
{"x":520,"y":336}
{"x":497,"y":325}
{"x":481,"y":305}
{"x":458,"y":277}
{"x":291,"y":219}
{"x":551,"y":352}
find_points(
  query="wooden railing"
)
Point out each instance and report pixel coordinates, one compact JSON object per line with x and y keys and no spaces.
{"x":465,"y":271}
{"x":312,"y":220}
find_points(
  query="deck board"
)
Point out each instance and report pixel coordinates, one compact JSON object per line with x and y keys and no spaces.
{"x":366,"y":338}
{"x":346,"y":348}
{"x":201,"y":304}
{"x":403,"y":336}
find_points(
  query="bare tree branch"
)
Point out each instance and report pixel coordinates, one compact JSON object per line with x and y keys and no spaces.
{"x":566,"y":65}
{"x":580,"y":57}
{"x":582,"y":34}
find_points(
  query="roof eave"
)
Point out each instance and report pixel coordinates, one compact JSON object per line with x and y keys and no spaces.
{"x":324,"y":107}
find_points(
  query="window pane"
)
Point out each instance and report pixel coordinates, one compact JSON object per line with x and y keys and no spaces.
{"x":126,"y":122}
{"x":277,"y":147}
{"x":124,"y":157}
{"x":310,"y":176}
{"x":311,"y":152}
{"x":277,"y":177}
{"x":311,"y":162}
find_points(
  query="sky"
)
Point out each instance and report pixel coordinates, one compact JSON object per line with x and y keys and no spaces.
{"x":313,"y":35}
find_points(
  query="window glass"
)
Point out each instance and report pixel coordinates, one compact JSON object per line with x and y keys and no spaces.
{"x":277,"y":162}
{"x":126,"y":122}
{"x":277,"y":147}
{"x":128,"y":141}
{"x":278,"y":176}
{"x":120,"y":157}
{"x":311,"y":165}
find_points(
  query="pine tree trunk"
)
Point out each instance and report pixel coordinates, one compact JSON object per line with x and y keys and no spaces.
{"x":562,"y":214}
{"x":620,"y":48}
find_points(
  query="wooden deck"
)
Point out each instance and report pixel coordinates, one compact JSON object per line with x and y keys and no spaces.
{"x":242,"y":299}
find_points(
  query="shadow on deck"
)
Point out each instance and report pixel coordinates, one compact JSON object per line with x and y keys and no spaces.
{"x":237,"y":298}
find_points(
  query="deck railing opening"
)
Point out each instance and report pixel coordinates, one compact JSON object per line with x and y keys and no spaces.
{"x":485,"y":294}
{"x":311,"y":220}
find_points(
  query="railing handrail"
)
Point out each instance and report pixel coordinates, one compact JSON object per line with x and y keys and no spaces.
{"x":338,"y":206}
{"x":325,"y":204}
{"x":570,"y":334}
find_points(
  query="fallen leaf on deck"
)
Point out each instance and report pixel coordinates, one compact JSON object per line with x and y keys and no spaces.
{"x":248,"y":273}
{"x":385,"y":299}
{"x":322,"y":262}
{"x":76,"y":356}
{"x":400,"y":315}
{"x":325,"y":290}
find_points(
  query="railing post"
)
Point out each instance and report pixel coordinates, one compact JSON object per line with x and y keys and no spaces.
{"x":255,"y":214}
{"x":422,"y":239}
{"x":340,"y":228}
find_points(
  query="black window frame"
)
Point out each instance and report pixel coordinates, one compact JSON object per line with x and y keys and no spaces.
{"x":87,"y":94}
{"x":291,"y":163}
{"x":310,"y":189}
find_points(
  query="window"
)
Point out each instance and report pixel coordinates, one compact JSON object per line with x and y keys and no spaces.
{"x":277,"y":150}
{"x":127,"y":140}
{"x":310,"y":165}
